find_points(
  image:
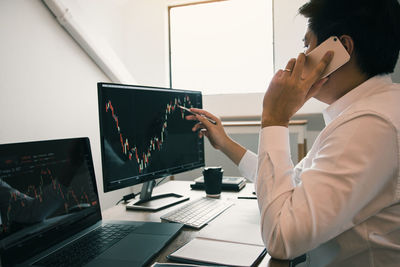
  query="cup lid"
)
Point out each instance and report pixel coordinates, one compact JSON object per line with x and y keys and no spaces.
{"x":213,"y":169}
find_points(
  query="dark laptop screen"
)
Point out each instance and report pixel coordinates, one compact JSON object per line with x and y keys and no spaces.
{"x":47,"y":192}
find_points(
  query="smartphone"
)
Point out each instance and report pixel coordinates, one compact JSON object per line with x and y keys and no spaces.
{"x":340,"y":56}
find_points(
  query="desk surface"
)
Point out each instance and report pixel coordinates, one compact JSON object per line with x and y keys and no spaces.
{"x":181,"y":187}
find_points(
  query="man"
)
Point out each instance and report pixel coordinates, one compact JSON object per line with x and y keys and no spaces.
{"x":341,"y":203}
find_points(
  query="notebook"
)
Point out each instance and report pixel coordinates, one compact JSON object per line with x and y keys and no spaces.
{"x":228,"y":183}
{"x":50,"y":211}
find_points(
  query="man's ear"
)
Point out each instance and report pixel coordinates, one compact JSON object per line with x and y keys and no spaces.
{"x":348,"y":43}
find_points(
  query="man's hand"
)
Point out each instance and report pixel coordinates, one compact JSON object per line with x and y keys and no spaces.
{"x":216,"y":134}
{"x":288,"y":91}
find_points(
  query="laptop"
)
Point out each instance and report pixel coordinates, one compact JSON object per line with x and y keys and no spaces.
{"x":50,"y":211}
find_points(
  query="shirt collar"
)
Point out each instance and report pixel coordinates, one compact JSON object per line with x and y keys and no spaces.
{"x":367,"y":87}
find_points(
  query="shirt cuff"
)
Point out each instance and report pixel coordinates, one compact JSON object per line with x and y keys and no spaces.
{"x":274,"y":138}
{"x":248,"y":165}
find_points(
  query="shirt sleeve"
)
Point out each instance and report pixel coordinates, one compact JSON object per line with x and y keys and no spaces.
{"x":248,"y":165}
{"x":302,"y":208}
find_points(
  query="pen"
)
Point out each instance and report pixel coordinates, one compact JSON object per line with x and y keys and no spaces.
{"x":191,"y":112}
{"x":247,"y":197}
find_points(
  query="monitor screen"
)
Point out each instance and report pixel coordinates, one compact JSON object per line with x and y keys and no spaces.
{"x":144,"y":134}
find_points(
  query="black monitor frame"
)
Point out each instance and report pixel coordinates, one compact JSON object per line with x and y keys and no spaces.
{"x":147,"y":201}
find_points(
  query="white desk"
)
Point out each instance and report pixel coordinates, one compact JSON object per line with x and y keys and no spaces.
{"x":182,"y":187}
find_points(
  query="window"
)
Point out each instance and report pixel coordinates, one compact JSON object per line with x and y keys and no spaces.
{"x":222,"y":47}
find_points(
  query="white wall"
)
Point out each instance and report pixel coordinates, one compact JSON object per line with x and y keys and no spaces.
{"x":135,"y":29}
{"x":47,"y":83}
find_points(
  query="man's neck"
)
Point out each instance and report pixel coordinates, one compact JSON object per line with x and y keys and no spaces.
{"x":341,"y":83}
{"x":350,"y":83}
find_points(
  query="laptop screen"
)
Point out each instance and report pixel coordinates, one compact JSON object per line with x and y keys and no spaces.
{"x":47,"y":193}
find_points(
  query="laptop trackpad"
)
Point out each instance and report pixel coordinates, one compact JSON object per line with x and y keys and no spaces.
{"x":133,"y":249}
{"x":108,"y":262}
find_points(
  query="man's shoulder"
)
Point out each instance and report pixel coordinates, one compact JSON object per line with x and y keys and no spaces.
{"x":384,"y":101}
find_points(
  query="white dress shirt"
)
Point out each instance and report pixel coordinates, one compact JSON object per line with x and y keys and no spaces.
{"x":341,"y":203}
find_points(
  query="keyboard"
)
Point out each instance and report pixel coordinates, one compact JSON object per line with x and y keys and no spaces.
{"x":197,"y":213}
{"x":88,"y":247}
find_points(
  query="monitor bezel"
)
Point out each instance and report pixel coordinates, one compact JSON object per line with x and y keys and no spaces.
{"x":131,"y":181}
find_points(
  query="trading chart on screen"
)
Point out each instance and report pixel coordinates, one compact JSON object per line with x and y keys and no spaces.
{"x":145,"y":131}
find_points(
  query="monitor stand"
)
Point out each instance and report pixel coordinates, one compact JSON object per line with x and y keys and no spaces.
{"x":153,"y":203}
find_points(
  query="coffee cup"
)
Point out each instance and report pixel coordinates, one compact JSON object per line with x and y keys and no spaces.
{"x":213,"y":181}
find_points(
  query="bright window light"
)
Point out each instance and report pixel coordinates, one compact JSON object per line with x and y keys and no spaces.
{"x":223,"y":47}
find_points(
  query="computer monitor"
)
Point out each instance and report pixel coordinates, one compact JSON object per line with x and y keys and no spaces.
{"x":145,"y":136}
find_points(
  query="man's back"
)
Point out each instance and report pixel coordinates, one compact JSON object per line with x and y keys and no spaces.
{"x":368,"y":177}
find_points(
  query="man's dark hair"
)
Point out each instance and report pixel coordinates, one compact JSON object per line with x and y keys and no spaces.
{"x":374,"y":26}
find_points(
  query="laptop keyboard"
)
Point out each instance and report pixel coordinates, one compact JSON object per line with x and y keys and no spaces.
{"x":87,"y":247}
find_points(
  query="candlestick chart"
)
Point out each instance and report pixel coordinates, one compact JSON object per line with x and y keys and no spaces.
{"x":146,"y":132}
{"x":155,"y":142}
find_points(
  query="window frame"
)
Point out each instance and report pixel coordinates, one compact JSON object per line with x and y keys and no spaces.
{"x":182,"y":3}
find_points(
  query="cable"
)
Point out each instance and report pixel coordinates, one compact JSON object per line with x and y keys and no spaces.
{"x":159,"y":182}
{"x":127,"y":197}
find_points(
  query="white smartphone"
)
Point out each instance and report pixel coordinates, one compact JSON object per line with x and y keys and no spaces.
{"x":340,"y":56}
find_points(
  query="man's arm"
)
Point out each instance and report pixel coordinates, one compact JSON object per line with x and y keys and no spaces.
{"x":217,"y":135}
{"x":244,"y":159}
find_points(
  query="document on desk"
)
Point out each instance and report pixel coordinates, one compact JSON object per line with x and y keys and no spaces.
{"x":206,"y":251}
{"x":239,"y":224}
{"x":232,"y":239}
